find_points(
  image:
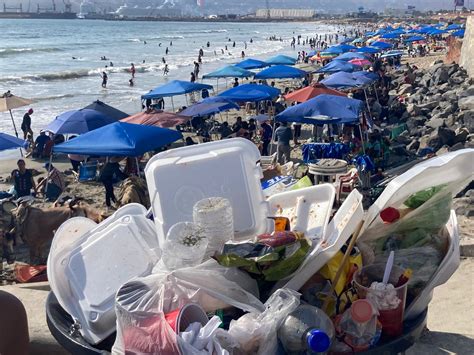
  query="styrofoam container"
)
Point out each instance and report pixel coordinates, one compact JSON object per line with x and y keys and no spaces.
{"x":179,"y":178}
{"x":308,"y":209}
{"x":446,"y":269}
{"x":87,"y":277}
{"x":447,"y":168}
{"x":341,"y":227}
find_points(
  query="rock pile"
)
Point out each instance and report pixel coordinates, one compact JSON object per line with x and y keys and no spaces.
{"x":439,"y":112}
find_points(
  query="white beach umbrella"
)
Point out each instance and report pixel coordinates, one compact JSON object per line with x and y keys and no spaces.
{"x":8,"y":102}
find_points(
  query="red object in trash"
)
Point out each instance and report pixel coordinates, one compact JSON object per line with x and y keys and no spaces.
{"x":389,"y":215}
{"x":181,"y":318}
{"x":30,"y":273}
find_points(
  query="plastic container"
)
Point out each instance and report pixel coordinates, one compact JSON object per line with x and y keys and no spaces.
{"x":359,"y":326}
{"x":215,"y":217}
{"x":338,"y":231}
{"x":88,"y":273}
{"x":183,"y":317}
{"x":185,"y":246}
{"x":308,"y":209}
{"x":179,"y":178}
{"x":389,"y":300}
{"x":306,"y":329}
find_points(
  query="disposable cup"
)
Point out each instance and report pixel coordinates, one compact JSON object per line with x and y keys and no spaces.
{"x":390,"y":315}
{"x":181,"y":318}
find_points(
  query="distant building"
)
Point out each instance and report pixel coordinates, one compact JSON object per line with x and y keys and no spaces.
{"x":286,"y":13}
{"x":408,"y":12}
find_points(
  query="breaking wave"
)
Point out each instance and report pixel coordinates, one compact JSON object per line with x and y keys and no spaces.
{"x":5,"y":52}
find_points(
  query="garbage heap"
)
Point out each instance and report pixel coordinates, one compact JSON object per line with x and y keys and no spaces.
{"x":218,"y":268}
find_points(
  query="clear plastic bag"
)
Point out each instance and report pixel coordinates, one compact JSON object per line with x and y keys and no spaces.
{"x":142,"y":303}
{"x":256,"y":332}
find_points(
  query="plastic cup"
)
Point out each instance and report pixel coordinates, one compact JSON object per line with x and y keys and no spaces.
{"x":390,"y":316}
{"x":183,"y":317}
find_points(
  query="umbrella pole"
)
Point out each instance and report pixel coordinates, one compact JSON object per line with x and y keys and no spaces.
{"x":172,"y":103}
{"x":14,"y":125}
{"x":47,"y":175}
{"x":367,"y":102}
{"x":361,"y":138}
{"x":138,"y":167}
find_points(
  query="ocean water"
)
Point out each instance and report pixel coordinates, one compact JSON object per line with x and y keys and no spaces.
{"x":36,"y":58}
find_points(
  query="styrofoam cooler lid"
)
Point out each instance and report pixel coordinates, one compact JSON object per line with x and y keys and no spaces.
{"x":179,"y":178}
{"x":447,"y":168}
{"x":120,"y":248}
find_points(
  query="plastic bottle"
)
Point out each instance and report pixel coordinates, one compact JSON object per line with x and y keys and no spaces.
{"x":359,"y":326}
{"x":214,"y":215}
{"x":306,"y":329}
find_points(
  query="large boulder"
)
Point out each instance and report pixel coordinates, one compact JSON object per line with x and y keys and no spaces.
{"x":466,"y":103}
{"x":461,"y":135}
{"x":413,"y":110}
{"x":467,"y":118}
{"x":435,"y":122}
{"x":405,"y":89}
{"x":440,"y":76}
{"x":446,"y":135}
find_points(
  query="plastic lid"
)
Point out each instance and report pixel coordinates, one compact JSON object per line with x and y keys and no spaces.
{"x":318,"y":341}
{"x":389,"y":215}
{"x":361,"y":311}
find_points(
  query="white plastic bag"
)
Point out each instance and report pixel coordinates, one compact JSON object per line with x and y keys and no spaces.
{"x":256,"y":333}
{"x":142,"y":303}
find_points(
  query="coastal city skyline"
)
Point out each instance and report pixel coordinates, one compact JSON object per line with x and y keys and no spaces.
{"x":206,"y":7}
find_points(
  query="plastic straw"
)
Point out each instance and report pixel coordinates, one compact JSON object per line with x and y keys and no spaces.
{"x":388,"y":268}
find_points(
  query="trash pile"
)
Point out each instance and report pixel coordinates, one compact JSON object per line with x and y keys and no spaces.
{"x":217,"y":268}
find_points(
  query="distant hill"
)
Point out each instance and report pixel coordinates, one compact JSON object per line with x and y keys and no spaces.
{"x":247,"y":6}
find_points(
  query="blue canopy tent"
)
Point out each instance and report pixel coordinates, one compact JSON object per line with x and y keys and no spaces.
{"x":107,"y":110}
{"x":350,"y":55}
{"x":426,"y":29}
{"x":365,"y":77}
{"x":174,"y":88}
{"x":78,"y":122}
{"x":381,"y":45}
{"x":337,"y":66}
{"x":370,"y":50}
{"x":323,"y":109}
{"x":459,"y":33}
{"x":250,"y":92}
{"x":454,"y":26}
{"x":333,"y":50}
{"x":209,"y":107}
{"x":119,"y":139}
{"x":11,"y":142}
{"x":281,"y":60}
{"x":390,"y":35}
{"x":346,"y":47}
{"x":229,"y":71}
{"x":341,"y":80}
{"x":415,"y":39}
{"x":436,"y":32}
{"x":251,"y":64}
{"x":281,"y":72}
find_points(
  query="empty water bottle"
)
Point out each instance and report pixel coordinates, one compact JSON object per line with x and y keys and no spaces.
{"x":214,"y":215}
{"x":306,"y":330}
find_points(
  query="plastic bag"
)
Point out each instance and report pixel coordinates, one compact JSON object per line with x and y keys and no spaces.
{"x":142,"y":303}
{"x":256,"y":333}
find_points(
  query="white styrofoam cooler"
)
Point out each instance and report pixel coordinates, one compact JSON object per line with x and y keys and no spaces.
{"x":87,"y":274}
{"x":179,"y":178}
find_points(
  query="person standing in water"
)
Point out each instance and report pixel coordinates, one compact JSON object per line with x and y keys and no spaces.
{"x":193,"y":78}
{"x":243,"y":54}
{"x":26,"y":124}
{"x":166,"y":70}
{"x":104,"y":79}
{"x":132,"y":70}
{"x":166,"y":51}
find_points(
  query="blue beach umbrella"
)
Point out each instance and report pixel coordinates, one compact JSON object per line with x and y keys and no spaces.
{"x":281,"y":60}
{"x":437,"y":31}
{"x":251,"y":64}
{"x":250,"y":92}
{"x":174,"y":88}
{"x":209,"y":107}
{"x":281,"y":72}
{"x":415,"y":39}
{"x":343,"y":80}
{"x":394,"y":53}
{"x":338,"y":109}
{"x":370,"y":50}
{"x":229,"y":71}
{"x":382,"y":45}
{"x":365,"y":77}
{"x":453,"y":26}
{"x":349,"y":56}
{"x":390,"y":35}
{"x":333,"y":50}
{"x":79,"y":122}
{"x":10,"y":142}
{"x":337,"y":66}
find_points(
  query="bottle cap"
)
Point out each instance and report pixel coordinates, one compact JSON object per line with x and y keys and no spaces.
{"x":318,"y":341}
{"x":362,"y":311}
